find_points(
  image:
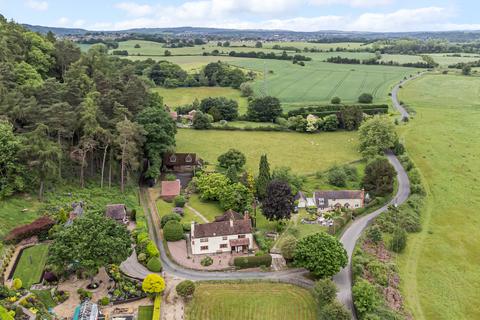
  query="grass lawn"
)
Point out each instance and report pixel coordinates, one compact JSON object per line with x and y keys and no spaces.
{"x":183,"y":96}
{"x":251,"y":301}
{"x":318,"y":81}
{"x":145,"y":312}
{"x":30,"y":267}
{"x":12,"y":213}
{"x":165,"y":208}
{"x":246,"y":124}
{"x":439,"y":270}
{"x":209,"y":209}
{"x":45,"y":297}
{"x":304,"y":153}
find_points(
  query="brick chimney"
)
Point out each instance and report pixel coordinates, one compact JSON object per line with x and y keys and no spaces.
{"x":246,"y":215}
{"x":192,"y":229}
{"x":231,"y":223}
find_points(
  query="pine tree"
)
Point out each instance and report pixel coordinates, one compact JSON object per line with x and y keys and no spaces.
{"x":264,"y":177}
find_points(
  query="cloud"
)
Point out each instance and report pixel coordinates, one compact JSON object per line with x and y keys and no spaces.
{"x":79,"y":23}
{"x":135,"y":9}
{"x":352,"y":3}
{"x":37,"y":5}
{"x":63,"y":21}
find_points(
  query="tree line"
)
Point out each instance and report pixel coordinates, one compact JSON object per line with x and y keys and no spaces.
{"x":71,"y":115}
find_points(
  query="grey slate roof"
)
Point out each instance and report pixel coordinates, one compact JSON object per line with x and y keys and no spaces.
{"x":222,"y":228}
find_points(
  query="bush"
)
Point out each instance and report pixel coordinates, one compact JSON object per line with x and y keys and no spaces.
{"x":253,"y":261}
{"x":170,"y":177}
{"x":173,"y":231}
{"x":154,"y":264}
{"x":187,"y":227}
{"x":207,"y":261}
{"x":141,"y":257}
{"x":17,"y":284}
{"x":365,"y":98}
{"x":399,"y":240}
{"x":365,"y":297}
{"x":185,"y":288}
{"x":133,"y":215}
{"x":104,"y":301}
{"x":334,"y":311}
{"x":336,"y":100}
{"x":179,"y":201}
{"x":84,"y":294}
{"x":374,"y":234}
{"x":142,"y":237}
{"x":37,"y":227}
{"x":152,"y":250}
{"x":337,"y":177}
{"x":169,"y":217}
{"x":324,"y":292}
{"x":288,"y":247}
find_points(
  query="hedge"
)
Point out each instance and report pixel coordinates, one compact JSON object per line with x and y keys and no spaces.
{"x":173,"y":231}
{"x":156,"y":307}
{"x":36,"y":228}
{"x":253,"y":261}
{"x":154,"y":264}
{"x":325,"y":110}
{"x":169,"y":217}
{"x":185,"y":288}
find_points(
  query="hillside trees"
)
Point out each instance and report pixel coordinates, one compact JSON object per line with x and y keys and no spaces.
{"x":377,"y":135}
{"x":264,"y":109}
{"x":11,"y":171}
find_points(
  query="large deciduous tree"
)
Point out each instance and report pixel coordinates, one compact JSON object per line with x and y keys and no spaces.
{"x":278,"y":202}
{"x":377,"y":135}
{"x":264,"y":109}
{"x":92,"y":241}
{"x":379,"y":177}
{"x":320,"y":253}
{"x":232,"y":158}
{"x":11,"y":171}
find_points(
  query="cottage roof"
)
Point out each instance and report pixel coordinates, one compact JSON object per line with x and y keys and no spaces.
{"x":180,"y":159}
{"x":229,"y":215}
{"x":222,"y":228}
{"x":300,"y":195}
{"x":170,"y":188}
{"x":116,"y":211}
{"x":322,"y":198}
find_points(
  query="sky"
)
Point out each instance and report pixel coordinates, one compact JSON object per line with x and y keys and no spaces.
{"x":297,"y":15}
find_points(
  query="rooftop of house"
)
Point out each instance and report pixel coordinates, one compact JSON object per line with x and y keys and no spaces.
{"x":222,"y":228}
{"x":180,"y":159}
{"x":229,"y":215}
{"x":171,"y":188}
{"x":116,"y":211}
{"x":339,"y":194}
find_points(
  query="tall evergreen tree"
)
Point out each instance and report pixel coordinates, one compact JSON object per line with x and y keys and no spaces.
{"x":264,"y":177}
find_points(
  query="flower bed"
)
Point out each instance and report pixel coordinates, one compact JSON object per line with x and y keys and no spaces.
{"x":125,"y":289}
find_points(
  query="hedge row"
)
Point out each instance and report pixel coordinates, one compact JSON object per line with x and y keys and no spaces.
{"x":253,"y":261}
{"x":334,"y":108}
{"x":37,"y":227}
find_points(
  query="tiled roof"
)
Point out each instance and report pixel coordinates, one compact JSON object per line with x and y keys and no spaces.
{"x":170,"y":188}
{"x":116,"y":211}
{"x":222,"y":228}
{"x":180,"y":159}
{"x":229,"y":215}
{"x":338,"y":194}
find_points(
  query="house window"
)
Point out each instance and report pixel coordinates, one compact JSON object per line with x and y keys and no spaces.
{"x":224,"y":238}
{"x":204,"y":240}
{"x":241,"y":236}
{"x":173,"y":158}
{"x":223,"y":245}
{"x":356,"y":205}
{"x":188,"y":158}
{"x":203,"y":248}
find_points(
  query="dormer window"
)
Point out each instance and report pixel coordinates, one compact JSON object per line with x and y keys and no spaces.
{"x":188,"y":158}
{"x":173,"y":158}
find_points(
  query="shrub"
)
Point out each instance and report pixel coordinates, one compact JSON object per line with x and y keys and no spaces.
{"x":253,"y":261}
{"x":17,"y":284}
{"x":141,"y":257}
{"x":152,"y":250}
{"x":336,"y":100}
{"x":170,"y":177}
{"x":84,"y":294}
{"x":173,"y":231}
{"x":133,"y":215}
{"x":324,"y":292}
{"x":142,"y":237}
{"x":337,"y":177}
{"x":207,"y":261}
{"x":41,"y":225}
{"x":399,"y":240}
{"x":374,"y":234}
{"x":365,"y":297}
{"x":288,"y":247}
{"x":186,"y":227}
{"x":154,"y":264}
{"x":169,"y":217}
{"x":179,"y":201}
{"x":334,"y":311}
{"x":185,"y":288}
{"x":365,"y":98}
{"x":104,"y":301}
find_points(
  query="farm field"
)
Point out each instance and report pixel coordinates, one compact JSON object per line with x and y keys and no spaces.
{"x":445,"y":59}
{"x":250,"y":301}
{"x":439,"y":270}
{"x":318,"y":82}
{"x":183,"y":96}
{"x":189,"y":63}
{"x":401,"y":58}
{"x":30,"y":266}
{"x":302,"y":152}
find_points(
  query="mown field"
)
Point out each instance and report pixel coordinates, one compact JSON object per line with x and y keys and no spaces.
{"x":318,"y":82}
{"x":30,"y":266}
{"x":439,"y":270}
{"x":251,"y":301}
{"x":183,"y":96}
{"x":302,"y":152}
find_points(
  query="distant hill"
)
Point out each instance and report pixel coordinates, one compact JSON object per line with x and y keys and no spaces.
{"x":272,"y":34}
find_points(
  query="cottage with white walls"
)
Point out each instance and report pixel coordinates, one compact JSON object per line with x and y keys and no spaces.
{"x":231,"y":232}
{"x":338,"y":199}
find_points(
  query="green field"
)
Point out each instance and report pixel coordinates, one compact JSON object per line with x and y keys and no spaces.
{"x":16,"y":211}
{"x":444,"y":60}
{"x":318,"y":82}
{"x":303,"y":153}
{"x":208,"y":209}
{"x":30,"y":266}
{"x":251,"y":301}
{"x":439,"y":270}
{"x":145,"y":312}
{"x":183,"y":96}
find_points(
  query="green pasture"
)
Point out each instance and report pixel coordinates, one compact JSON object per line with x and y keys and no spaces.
{"x":303,"y":153}
{"x":445,"y":59}
{"x":439,"y":270}
{"x":251,"y":301}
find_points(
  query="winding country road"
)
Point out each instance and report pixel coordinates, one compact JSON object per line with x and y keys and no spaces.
{"x":349,"y":238}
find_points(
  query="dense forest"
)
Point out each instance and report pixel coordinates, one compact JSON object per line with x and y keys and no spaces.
{"x":67,"y":115}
